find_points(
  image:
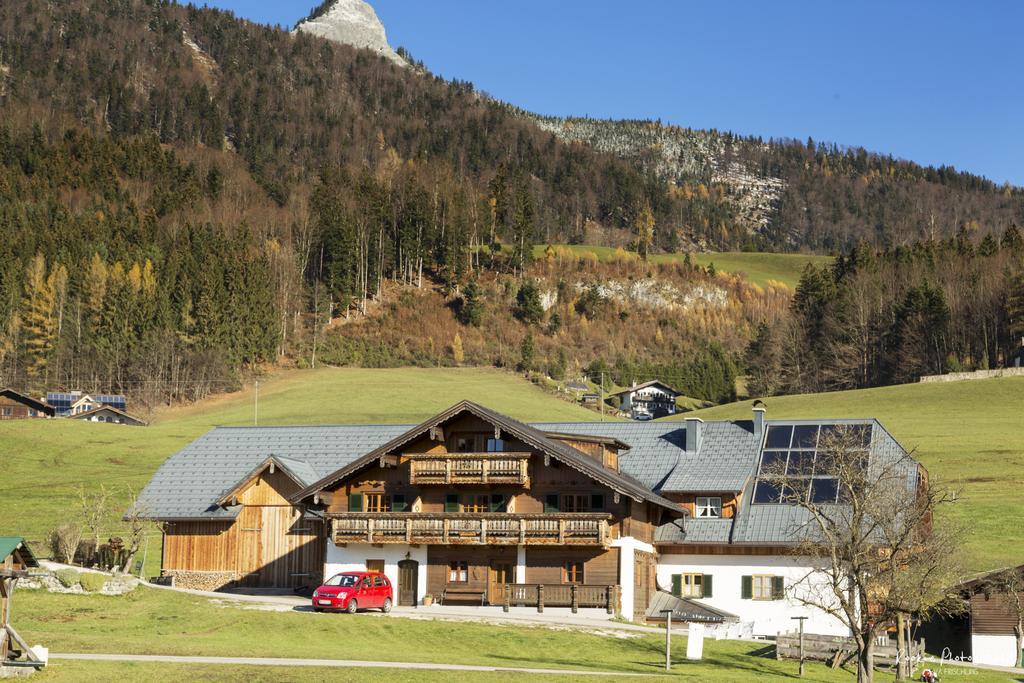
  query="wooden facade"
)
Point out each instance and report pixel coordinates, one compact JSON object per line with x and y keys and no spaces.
{"x":17,"y":406}
{"x":543,"y":523}
{"x":271,"y":543}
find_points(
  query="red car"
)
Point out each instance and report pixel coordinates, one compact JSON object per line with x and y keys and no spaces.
{"x":351,"y":591}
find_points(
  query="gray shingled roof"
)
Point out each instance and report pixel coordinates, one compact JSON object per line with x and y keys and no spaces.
{"x":620,"y":482}
{"x":188,"y":483}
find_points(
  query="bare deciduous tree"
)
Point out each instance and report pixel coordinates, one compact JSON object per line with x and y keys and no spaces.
{"x":139,"y":525}
{"x":867,"y":526}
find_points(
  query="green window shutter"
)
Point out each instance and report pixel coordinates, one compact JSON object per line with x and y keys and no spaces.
{"x":597,"y":502}
{"x":778,"y":588}
{"x":398,"y":502}
{"x":677,"y":585}
{"x":498,"y":503}
{"x":551,"y":502}
{"x":706,"y":585}
{"x":451,"y":502}
{"x":747,"y":587}
{"x":355,"y":502}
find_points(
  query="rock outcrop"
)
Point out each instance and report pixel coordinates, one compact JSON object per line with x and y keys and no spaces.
{"x":352,"y":22}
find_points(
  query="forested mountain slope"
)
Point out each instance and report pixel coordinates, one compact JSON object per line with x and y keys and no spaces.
{"x":787,"y":194}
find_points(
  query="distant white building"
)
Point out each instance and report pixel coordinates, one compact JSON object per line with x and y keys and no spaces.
{"x":650,"y":399}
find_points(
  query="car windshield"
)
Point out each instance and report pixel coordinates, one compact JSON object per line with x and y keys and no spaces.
{"x":343,"y":580}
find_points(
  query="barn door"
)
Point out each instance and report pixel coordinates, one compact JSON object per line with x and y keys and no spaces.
{"x":408,"y":578}
{"x":250,"y":545}
{"x":498,"y":578}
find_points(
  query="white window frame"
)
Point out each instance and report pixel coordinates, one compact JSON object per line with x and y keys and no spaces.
{"x":706,"y":508}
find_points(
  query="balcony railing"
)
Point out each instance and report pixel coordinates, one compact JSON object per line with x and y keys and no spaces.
{"x":465,"y":528}
{"x":469,"y":468}
{"x":574,"y":595}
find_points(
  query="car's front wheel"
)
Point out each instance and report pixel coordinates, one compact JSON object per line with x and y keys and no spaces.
{"x":352,"y":606}
{"x":386,"y":607}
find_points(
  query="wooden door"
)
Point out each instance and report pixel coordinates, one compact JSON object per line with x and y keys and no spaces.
{"x":408,"y":580}
{"x":375,"y":565}
{"x":250,"y":545}
{"x":644,"y":580}
{"x":499,"y":576}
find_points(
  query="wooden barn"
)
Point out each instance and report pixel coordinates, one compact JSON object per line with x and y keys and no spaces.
{"x":17,"y":406}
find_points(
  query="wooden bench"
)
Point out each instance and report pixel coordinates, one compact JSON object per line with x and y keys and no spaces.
{"x":464,"y":592}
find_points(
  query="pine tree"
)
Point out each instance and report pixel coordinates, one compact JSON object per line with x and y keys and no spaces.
{"x":526,"y":353}
{"x":471,"y":307}
{"x":528,"y":305}
{"x":643,"y":228}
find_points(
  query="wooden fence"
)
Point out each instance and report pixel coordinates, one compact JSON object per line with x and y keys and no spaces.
{"x":837,"y":650}
{"x":571,"y":595}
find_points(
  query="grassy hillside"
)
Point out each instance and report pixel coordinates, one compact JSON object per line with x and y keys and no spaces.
{"x":45,"y":461}
{"x":967,"y":434}
{"x":757,"y":267}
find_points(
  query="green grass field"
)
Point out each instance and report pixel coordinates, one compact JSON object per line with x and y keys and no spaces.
{"x":44,"y":462}
{"x":755,"y":266}
{"x":151,"y":621}
{"x":968,"y":434}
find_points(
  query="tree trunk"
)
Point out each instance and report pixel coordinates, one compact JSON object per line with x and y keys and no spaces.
{"x":1019,"y":632}
{"x":866,"y":661}
{"x":901,"y":648}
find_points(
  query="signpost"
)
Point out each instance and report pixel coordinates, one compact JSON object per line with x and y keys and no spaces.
{"x":668,"y":638}
{"x":801,"y":620}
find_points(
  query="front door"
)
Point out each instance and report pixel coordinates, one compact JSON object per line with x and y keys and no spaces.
{"x":499,"y":576}
{"x":408,"y":577}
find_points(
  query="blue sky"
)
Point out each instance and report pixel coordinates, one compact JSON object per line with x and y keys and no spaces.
{"x":937,"y":82}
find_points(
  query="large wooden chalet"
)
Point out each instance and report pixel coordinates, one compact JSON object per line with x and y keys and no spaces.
{"x":473,"y":506}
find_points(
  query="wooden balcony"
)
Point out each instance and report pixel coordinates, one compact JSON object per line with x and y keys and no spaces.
{"x":469,"y":468}
{"x":470,"y":528}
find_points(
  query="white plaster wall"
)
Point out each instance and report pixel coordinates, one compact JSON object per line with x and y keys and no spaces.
{"x":353,"y":557}
{"x":767,"y":617}
{"x":628,"y":546}
{"x":994,"y":650}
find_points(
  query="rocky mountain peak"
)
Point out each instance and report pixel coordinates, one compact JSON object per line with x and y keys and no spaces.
{"x":351,"y":22}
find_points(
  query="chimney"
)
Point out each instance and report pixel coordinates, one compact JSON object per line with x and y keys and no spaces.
{"x":759,"y":411}
{"x":694,"y":429}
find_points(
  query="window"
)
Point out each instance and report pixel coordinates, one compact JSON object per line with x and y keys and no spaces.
{"x":465,"y":444}
{"x":551,"y":502}
{"x":398,"y":503}
{"x":691,"y":585}
{"x":477,"y":503}
{"x":451,"y":502}
{"x":575,"y":502}
{"x":597,"y":502}
{"x":376,"y":502}
{"x":763,"y":587}
{"x":355,"y":502}
{"x":8,"y":412}
{"x":495,"y":445}
{"x":708,"y":506}
{"x":458,"y":571}
{"x":379,"y":581}
{"x":499,"y":503}
{"x":572,"y":571}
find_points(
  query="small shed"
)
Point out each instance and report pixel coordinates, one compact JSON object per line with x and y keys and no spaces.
{"x":15,"y":560}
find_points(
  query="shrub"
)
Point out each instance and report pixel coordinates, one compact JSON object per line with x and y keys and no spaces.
{"x":64,"y":542}
{"x":92,"y":582}
{"x":68,"y":578}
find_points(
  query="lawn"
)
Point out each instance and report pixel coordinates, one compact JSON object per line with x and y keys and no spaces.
{"x":968,"y":434}
{"x":757,"y":267}
{"x":46,"y":461}
{"x":151,"y":621}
